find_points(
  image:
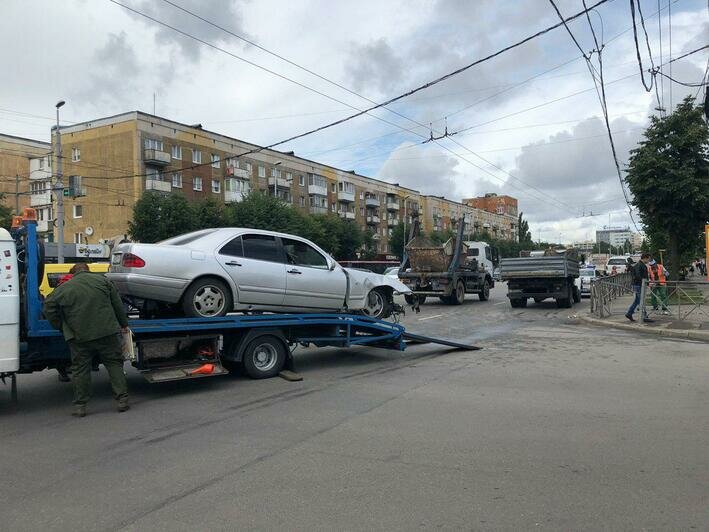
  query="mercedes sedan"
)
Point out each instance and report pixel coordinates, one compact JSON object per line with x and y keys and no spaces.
{"x":215,"y":271}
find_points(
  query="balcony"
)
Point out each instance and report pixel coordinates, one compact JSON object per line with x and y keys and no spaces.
{"x":371,"y":202}
{"x":238,"y":173}
{"x":392,"y":205}
{"x":280,"y":182}
{"x":159,"y":185}
{"x":156,"y":157}
{"x":234,"y":197}
{"x":320,"y":190}
{"x":372,"y":219}
{"x":393,"y":222}
{"x":43,"y":198}
{"x":346,"y":196}
{"x":347,"y":215}
{"x":42,"y":226}
{"x":314,"y":209}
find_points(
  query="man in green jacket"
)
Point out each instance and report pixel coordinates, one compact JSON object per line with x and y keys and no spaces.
{"x":89,"y":312}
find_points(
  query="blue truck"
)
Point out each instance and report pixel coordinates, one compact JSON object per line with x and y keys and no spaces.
{"x":175,"y":348}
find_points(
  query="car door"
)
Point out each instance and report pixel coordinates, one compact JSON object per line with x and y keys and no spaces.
{"x":310,"y":283}
{"x":256,"y":264}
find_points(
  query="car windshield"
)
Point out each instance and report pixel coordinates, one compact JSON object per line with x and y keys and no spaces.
{"x":187,"y":238}
{"x":617,"y":261}
{"x":588,"y":273}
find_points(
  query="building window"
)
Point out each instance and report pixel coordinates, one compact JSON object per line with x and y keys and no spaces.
{"x":301,"y":180}
{"x":78,"y":211}
{"x":196,"y":156}
{"x":249,"y":167}
{"x":262,"y":171}
{"x":78,"y":238}
{"x":361,"y":211}
{"x":75,"y":188}
{"x":197,"y":183}
{"x":177,"y":152}
{"x":302,"y":201}
{"x":361,"y":196}
{"x":152,"y":144}
{"x":333,"y":187}
{"x":216,"y":160}
{"x":275,"y":172}
{"x":75,"y":154}
{"x":216,"y":186}
{"x":334,"y":208}
{"x":177,"y":180}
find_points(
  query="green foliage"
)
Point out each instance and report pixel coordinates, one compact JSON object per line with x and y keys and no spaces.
{"x":5,"y":213}
{"x":441,"y":237}
{"x":668,"y":174}
{"x":396,"y":241}
{"x":523,"y":230}
{"x":208,"y":214}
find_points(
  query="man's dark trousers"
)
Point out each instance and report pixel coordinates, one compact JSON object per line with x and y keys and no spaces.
{"x":110,"y":351}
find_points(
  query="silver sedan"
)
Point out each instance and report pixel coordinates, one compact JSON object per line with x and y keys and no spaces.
{"x":214,"y":271}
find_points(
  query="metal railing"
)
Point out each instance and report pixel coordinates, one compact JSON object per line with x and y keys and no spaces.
{"x":679,"y":299}
{"x":604,"y":290}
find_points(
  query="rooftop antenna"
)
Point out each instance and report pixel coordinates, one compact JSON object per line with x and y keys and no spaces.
{"x":154,"y":97}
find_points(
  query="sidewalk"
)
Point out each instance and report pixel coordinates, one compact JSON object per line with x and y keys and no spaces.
{"x":693,"y":324}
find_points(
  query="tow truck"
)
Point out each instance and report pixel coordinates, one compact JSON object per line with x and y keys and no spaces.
{"x":175,"y":348}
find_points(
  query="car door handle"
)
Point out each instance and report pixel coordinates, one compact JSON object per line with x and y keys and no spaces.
{"x":232,"y":263}
{"x":295,"y":271}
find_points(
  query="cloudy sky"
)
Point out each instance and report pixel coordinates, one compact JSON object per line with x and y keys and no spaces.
{"x":529,"y":121}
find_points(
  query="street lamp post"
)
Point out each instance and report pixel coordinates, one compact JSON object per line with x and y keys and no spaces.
{"x":59,"y":191}
{"x":405,"y":216}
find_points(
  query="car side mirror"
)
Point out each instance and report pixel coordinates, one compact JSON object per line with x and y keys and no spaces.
{"x":332,"y":265}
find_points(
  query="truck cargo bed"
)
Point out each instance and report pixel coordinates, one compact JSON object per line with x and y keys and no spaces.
{"x":537,"y":267}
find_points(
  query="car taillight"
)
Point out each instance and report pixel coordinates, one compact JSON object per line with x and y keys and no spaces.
{"x":132,"y":261}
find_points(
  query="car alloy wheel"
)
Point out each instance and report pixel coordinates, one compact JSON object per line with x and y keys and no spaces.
{"x":375,"y":304}
{"x":208,"y":301}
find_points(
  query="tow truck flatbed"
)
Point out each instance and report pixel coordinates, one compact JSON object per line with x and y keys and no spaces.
{"x":183,"y":347}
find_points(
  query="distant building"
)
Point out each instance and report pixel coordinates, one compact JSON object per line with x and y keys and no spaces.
{"x":18,"y":160}
{"x":502,"y":214}
{"x":613,"y":235}
{"x":584,"y":247}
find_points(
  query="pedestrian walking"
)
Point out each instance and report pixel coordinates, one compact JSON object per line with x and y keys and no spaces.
{"x":657,"y":275}
{"x":640,"y":273}
{"x":89,"y":312}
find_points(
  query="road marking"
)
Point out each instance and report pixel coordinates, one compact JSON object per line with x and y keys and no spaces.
{"x":431,"y":317}
{"x":501,"y":303}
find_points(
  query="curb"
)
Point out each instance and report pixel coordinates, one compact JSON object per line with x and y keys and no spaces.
{"x":702,"y":336}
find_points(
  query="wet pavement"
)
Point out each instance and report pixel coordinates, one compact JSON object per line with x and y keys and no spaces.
{"x":552,"y":425}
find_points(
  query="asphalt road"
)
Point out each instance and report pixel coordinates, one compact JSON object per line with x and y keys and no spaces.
{"x":551,"y":426}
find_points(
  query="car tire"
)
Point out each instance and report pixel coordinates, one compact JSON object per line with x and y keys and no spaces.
{"x":577,"y":295}
{"x":484,"y":294}
{"x":518,"y":303}
{"x":207,"y":298}
{"x":458,"y":297}
{"x":378,"y":304}
{"x":264,"y":357}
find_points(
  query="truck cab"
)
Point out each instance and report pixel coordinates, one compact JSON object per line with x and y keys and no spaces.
{"x":485,"y":254}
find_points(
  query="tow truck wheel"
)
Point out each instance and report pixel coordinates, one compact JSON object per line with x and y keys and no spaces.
{"x":264,"y":357}
{"x":518,"y":303}
{"x":377,"y":304}
{"x":577,"y":295}
{"x":458,"y":297}
{"x":207,"y":298}
{"x":485,"y":292}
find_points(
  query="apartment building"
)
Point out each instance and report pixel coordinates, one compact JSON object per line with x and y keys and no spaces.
{"x":17,"y":161}
{"x":109,"y":162}
{"x":497,"y":214}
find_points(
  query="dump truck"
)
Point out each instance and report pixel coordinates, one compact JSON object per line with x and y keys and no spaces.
{"x":551,"y":275}
{"x":447,"y":271}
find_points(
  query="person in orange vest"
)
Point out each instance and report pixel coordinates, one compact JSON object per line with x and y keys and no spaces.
{"x":657,"y":276}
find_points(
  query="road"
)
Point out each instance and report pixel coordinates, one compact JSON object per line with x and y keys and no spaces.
{"x":551,"y":426}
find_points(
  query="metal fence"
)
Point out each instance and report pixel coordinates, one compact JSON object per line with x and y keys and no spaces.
{"x":680,"y":299}
{"x":604,"y":290}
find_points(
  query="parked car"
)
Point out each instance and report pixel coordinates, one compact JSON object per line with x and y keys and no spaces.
{"x":215,"y":271}
{"x":583,"y":282}
{"x":54,"y":273}
{"x":392,"y":272}
{"x":617,"y":265}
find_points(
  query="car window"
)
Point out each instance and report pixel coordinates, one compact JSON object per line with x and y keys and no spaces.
{"x":617,"y":261}
{"x":233,"y":248}
{"x":474,"y":252}
{"x":488,"y":256}
{"x":301,"y":254}
{"x":262,"y":247}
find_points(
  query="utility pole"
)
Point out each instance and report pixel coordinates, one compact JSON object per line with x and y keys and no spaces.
{"x":59,"y":191}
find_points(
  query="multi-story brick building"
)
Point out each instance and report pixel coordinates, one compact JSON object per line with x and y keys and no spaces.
{"x":18,"y":157}
{"x":497,"y":214}
{"x":108,"y":163}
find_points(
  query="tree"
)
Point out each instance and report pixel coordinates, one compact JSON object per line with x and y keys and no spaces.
{"x":351,"y":239}
{"x":397,"y":241}
{"x":5,"y":213}
{"x":441,"y":237}
{"x":523,"y":229}
{"x":157,"y":217}
{"x":209,"y":213}
{"x":668,"y":174}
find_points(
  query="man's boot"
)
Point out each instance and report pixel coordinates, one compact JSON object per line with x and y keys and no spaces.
{"x":79,"y":411}
{"x":123,"y":404}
